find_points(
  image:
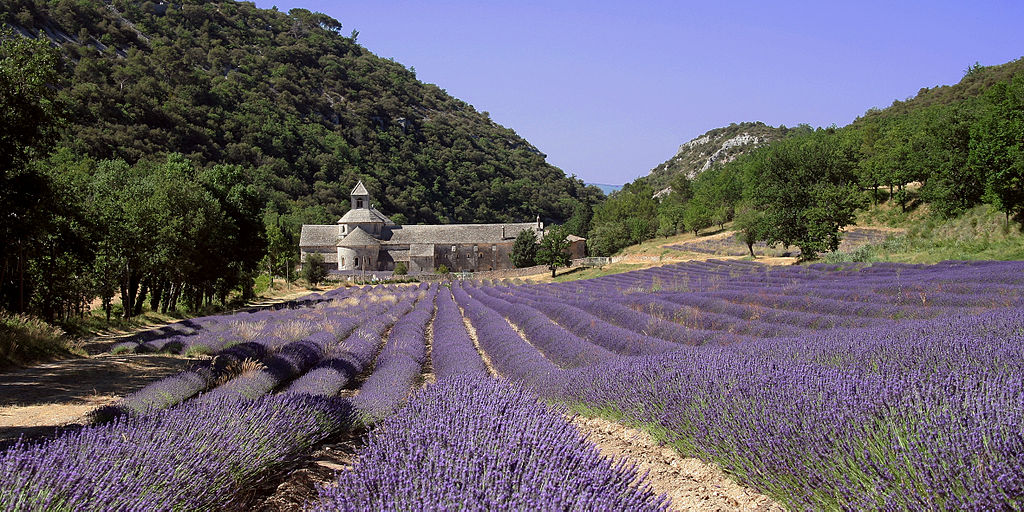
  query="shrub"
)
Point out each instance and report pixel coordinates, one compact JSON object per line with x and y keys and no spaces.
{"x":524,"y":249}
{"x":401,"y":269}
{"x":24,"y":339}
{"x":313,"y":269}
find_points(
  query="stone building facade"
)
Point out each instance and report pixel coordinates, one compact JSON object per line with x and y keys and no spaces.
{"x":365,"y":239}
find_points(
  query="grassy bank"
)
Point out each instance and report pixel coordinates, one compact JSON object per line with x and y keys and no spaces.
{"x":26,"y":339}
{"x":982,"y":233}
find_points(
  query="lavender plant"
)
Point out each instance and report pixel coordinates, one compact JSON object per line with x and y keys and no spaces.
{"x":399,"y":365}
{"x":480,"y":444}
{"x":189,"y":458}
{"x":453,"y":350}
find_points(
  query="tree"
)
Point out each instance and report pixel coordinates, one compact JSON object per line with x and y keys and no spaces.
{"x":278,"y":248}
{"x":524,"y":249}
{"x":697,"y":215}
{"x":401,"y":269}
{"x":632,"y":210}
{"x":29,"y":114}
{"x":953,"y":185}
{"x":29,"y":118}
{"x":313,"y":269}
{"x":749,"y":223}
{"x":808,"y":191}
{"x":997,"y":146}
{"x":606,"y":239}
{"x":582,"y":214}
{"x":554,"y":249}
{"x":672,"y":212}
{"x":715,"y":193}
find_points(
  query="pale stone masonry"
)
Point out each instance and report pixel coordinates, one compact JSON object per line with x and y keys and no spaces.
{"x":365,"y":239}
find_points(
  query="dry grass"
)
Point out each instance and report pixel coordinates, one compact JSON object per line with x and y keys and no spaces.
{"x":294,"y":330}
{"x":979,"y":234}
{"x":248,"y":330}
{"x":26,"y":339}
{"x":239,"y":368}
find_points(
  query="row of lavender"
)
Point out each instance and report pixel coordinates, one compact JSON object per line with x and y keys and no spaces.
{"x":271,"y":326}
{"x":888,"y":386}
{"x":323,"y":337}
{"x":476,"y":443}
{"x":186,"y":458}
{"x":165,"y":450}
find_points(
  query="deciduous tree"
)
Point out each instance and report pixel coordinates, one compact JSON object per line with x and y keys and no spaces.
{"x":524,"y":249}
{"x":808,"y":191}
{"x":554,"y":249}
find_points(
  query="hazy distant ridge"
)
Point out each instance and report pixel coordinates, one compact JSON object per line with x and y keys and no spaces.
{"x":607,"y":189}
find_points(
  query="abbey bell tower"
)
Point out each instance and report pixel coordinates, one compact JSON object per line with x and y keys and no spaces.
{"x":360,"y":197}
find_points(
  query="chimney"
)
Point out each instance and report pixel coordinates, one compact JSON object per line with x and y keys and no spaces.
{"x":540,"y":225}
{"x":502,"y":231}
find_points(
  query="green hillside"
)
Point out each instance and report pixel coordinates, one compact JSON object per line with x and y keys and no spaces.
{"x":944,"y":152}
{"x":287,"y":96}
{"x":167,"y":153}
{"x":976,"y":80}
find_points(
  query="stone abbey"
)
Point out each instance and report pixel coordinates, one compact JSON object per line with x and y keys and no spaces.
{"x":365,"y":239}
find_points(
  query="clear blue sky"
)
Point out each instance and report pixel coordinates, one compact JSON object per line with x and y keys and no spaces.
{"x":608,"y":90}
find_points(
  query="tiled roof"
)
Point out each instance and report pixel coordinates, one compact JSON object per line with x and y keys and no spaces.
{"x":327,"y":236}
{"x":421,"y":250}
{"x":364,"y":216}
{"x":454,"y":233}
{"x":398,"y":254}
{"x":318,"y":236}
{"x":360,"y":190}
{"x":358,"y":238}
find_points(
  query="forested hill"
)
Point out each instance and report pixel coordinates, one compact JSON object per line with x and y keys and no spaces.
{"x":976,"y":81}
{"x":290,"y":98}
{"x":942,"y":153}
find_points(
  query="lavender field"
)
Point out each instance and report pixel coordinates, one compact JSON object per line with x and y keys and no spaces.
{"x":861,"y":387}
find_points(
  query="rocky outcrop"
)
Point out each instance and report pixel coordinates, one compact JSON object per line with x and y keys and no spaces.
{"x":715,"y":147}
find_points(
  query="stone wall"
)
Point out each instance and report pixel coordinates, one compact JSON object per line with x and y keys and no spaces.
{"x":473,"y":257}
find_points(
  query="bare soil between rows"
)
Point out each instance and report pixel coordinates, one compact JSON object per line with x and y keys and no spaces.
{"x":691,"y":484}
{"x":293,"y":487}
{"x":37,"y":401}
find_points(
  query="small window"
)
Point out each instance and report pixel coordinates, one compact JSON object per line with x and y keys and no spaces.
{"x":494,"y":247}
{"x":359,"y":202}
{"x":453,"y":248}
{"x":343,"y":262}
{"x":357,"y":262}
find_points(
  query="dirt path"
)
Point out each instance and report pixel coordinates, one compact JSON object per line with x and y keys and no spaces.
{"x":294,"y":487}
{"x":692,"y":484}
{"x":34,"y":401}
{"x":476,"y":343}
{"x":428,"y":337}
